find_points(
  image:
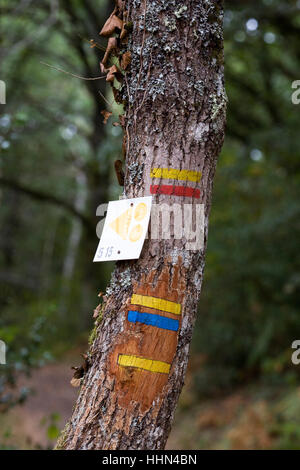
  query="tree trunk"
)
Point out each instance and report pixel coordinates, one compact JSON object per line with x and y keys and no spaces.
{"x":174,"y":119}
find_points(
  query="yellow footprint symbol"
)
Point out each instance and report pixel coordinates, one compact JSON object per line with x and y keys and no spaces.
{"x":139,"y":214}
{"x":121,"y":224}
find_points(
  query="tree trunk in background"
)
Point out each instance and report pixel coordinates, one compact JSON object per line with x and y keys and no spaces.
{"x":175,"y":118}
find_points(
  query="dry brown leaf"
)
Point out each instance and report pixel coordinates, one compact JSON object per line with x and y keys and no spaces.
{"x":111,"y":46}
{"x":114,"y":72}
{"x":78,"y":374}
{"x":126,"y":59}
{"x":111,"y":74}
{"x":75,"y":382}
{"x":102,"y":68}
{"x":106,"y":114}
{"x":111,"y":24}
{"x":123,"y":32}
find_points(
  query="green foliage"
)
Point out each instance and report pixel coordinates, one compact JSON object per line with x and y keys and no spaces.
{"x":249,"y":311}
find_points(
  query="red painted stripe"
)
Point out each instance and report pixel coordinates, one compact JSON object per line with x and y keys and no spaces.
{"x":184,"y":191}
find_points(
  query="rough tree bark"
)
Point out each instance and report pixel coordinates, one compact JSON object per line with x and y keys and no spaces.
{"x":174,"y":118}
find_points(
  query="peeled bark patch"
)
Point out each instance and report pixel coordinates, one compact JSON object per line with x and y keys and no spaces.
{"x":174,"y":124}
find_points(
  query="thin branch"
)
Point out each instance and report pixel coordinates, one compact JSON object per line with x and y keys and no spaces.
{"x":106,"y":101}
{"x":72,"y":74}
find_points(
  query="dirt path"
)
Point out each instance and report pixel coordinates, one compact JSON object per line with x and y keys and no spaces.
{"x":51,"y":395}
{"x":235,"y":422}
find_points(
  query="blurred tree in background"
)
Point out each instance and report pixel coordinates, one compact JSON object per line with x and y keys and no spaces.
{"x":56,"y":167}
{"x":56,"y":160}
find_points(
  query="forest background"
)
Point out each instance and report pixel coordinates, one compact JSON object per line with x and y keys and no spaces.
{"x":57,"y":165}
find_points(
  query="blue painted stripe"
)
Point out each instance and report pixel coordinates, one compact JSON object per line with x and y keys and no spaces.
{"x":154,"y":320}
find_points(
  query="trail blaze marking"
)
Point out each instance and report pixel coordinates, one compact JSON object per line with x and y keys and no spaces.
{"x":175,"y":190}
{"x":143,"y":363}
{"x":173,"y":173}
{"x":156,"y":303}
{"x":151,"y":319}
{"x":177,"y":175}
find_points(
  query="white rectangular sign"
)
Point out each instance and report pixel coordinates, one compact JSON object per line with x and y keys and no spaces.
{"x":125,"y":229}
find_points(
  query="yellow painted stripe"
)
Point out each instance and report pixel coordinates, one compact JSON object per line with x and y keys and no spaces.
{"x":158,"y":304}
{"x":143,"y":363}
{"x":172,"y":173}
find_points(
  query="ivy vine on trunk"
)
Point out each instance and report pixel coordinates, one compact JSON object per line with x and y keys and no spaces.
{"x":172,"y":86}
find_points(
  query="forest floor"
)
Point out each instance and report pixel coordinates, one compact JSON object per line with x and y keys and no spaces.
{"x":241,"y":420}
